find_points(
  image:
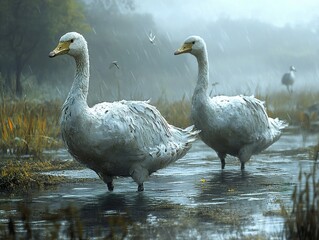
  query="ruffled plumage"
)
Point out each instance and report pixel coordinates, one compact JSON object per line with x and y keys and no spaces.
{"x":235,"y":125}
{"x":126,"y":138}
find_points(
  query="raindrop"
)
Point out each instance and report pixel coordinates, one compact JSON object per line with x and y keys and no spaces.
{"x":30,"y":69}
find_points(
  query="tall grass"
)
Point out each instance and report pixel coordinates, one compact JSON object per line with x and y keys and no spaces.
{"x":289,"y":107}
{"x":29,"y":127}
{"x":303,"y":221}
{"x":176,"y":113}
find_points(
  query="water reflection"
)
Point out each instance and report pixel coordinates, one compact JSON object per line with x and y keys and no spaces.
{"x":192,"y":197}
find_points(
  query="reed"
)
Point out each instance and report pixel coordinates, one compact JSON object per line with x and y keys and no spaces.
{"x":176,"y":113}
{"x":303,"y":220}
{"x":27,"y":128}
{"x":289,"y":107}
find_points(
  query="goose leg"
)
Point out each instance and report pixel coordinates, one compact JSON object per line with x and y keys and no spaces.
{"x":242,"y":166}
{"x":139,"y":175}
{"x":222,"y":157}
{"x":140,"y":187}
{"x":110,"y":186}
{"x":245,"y":154}
{"x":108,"y":180}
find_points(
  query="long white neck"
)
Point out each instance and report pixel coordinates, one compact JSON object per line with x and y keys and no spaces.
{"x":292,"y":73}
{"x":80,"y":86}
{"x":203,"y":76}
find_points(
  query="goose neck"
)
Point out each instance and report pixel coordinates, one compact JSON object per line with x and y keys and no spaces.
{"x":203,"y":70}
{"x":80,"y":84}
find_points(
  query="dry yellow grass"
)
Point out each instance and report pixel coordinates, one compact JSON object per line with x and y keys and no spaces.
{"x":29,"y":128}
{"x":176,"y":113}
{"x":289,"y":107}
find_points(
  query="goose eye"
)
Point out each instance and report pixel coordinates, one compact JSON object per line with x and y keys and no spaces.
{"x":72,"y":40}
{"x":193,"y":42}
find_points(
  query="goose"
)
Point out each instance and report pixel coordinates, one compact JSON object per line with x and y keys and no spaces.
{"x":124,"y":138}
{"x":234,"y":125}
{"x":288,"y":79}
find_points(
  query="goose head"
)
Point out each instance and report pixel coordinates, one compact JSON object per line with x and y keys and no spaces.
{"x":71,"y":43}
{"x":292,"y":68}
{"x":194,"y":45}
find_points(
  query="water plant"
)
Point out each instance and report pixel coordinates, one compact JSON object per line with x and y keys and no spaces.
{"x":303,"y":220}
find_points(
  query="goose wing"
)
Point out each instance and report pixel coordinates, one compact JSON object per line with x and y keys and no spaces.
{"x":241,"y":118}
{"x":137,"y":131}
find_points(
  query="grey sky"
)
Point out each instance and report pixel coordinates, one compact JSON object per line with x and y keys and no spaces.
{"x":277,"y":12}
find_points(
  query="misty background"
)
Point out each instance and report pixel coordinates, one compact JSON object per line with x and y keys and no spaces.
{"x":251,"y":44}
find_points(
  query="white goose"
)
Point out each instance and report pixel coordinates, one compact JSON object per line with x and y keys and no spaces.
{"x":288,"y":79}
{"x":235,"y":125}
{"x":126,"y":138}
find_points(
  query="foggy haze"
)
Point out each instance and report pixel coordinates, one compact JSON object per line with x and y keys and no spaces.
{"x":251,"y":44}
{"x":241,"y":37}
{"x":177,"y":13}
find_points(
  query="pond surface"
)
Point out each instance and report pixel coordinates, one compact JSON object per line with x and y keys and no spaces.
{"x":191,"y":199}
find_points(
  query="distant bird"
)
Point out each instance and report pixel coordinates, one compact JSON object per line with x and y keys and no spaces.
{"x":126,"y":138}
{"x":151,"y":37}
{"x":288,"y":79}
{"x":114,"y":63}
{"x":235,"y":125}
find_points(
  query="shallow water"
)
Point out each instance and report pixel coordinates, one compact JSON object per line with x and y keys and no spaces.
{"x":193,"y":198}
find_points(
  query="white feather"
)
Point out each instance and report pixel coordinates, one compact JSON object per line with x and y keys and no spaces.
{"x":235,"y":125}
{"x":126,"y":138}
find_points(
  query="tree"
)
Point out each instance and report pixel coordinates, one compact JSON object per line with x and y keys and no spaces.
{"x":26,"y":29}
